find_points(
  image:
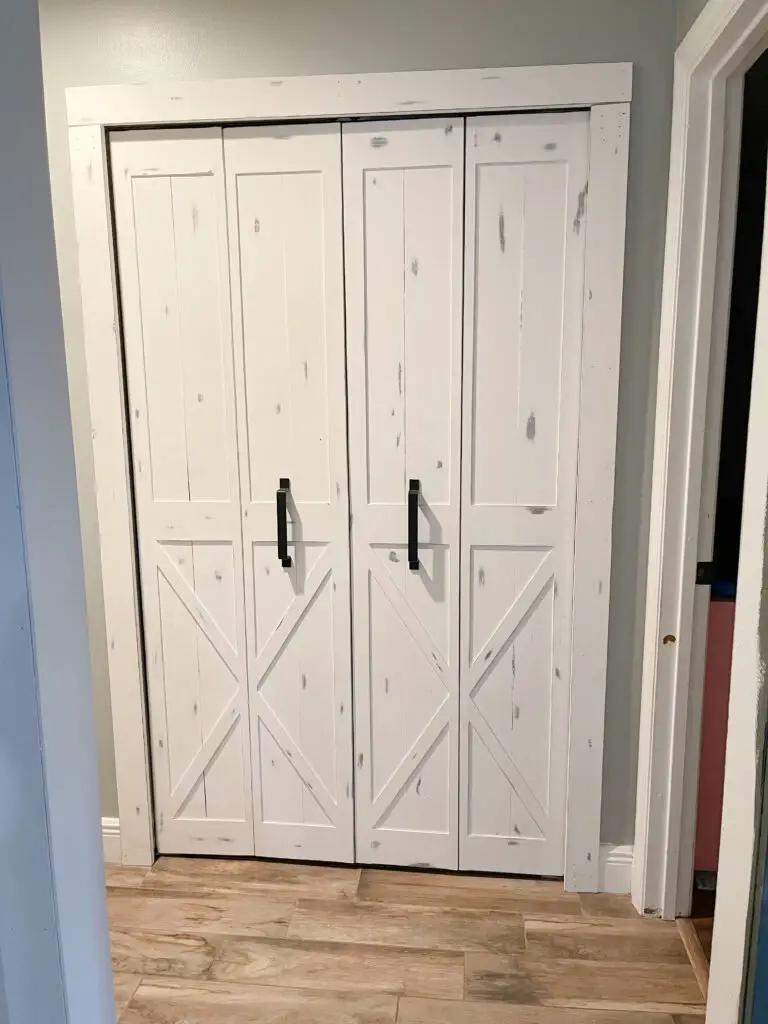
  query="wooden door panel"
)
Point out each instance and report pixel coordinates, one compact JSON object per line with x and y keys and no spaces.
{"x":171,"y":229}
{"x":403,"y":194}
{"x":284,"y":188}
{"x":526,"y":224}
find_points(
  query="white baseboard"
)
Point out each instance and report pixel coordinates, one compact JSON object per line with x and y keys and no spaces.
{"x":110,"y":834}
{"x":615,"y":869}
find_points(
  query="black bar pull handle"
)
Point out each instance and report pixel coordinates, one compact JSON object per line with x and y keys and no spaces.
{"x":282,"y":523}
{"x":414,"y":487}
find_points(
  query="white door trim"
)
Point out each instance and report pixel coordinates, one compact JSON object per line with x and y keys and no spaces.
{"x":385,"y":94}
{"x":721,"y":313}
{"x":720,"y":46}
{"x":604,"y":89}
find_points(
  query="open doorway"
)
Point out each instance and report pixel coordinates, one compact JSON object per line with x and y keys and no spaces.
{"x":721,"y":574}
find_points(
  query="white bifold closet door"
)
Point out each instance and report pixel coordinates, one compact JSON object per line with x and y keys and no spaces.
{"x":403,"y":200}
{"x":285,"y":230}
{"x":525,"y":228}
{"x":232,"y":389}
{"x":170,"y":213}
{"x":234,"y":259}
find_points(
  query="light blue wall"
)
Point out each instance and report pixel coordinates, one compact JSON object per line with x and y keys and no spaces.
{"x":53,"y":929}
{"x":28,"y":934}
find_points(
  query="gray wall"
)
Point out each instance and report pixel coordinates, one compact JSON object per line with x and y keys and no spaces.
{"x":94,"y":42}
{"x":687,"y":12}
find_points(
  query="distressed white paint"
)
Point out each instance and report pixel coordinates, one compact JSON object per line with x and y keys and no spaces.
{"x":527,"y":221}
{"x":90,"y":184}
{"x":332,"y":96}
{"x":285,"y":224}
{"x":403,"y":195}
{"x":599,"y":371}
{"x":603,"y":295}
{"x":722,"y":42}
{"x":170,"y":215}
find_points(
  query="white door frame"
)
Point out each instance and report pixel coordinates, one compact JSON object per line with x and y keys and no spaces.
{"x":604,"y":89}
{"x":709,"y":70}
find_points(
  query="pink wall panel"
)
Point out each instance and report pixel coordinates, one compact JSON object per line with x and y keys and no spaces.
{"x":717,"y":687}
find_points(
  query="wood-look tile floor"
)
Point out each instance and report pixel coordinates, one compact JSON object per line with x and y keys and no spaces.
{"x":230,"y":942}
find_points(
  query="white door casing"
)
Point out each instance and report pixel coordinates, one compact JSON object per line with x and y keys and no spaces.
{"x":525,"y":228}
{"x":285,"y":230}
{"x":403,"y":196}
{"x":170,"y":215}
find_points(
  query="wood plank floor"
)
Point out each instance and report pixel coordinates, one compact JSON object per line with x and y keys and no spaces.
{"x":230,"y":942}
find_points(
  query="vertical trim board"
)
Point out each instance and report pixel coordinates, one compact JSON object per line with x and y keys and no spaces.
{"x":113,"y":493}
{"x":710,"y":468}
{"x":603,"y":293}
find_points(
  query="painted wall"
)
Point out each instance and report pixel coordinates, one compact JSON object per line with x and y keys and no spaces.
{"x":24,"y":837}
{"x":95,"y":42}
{"x":53,"y":923}
{"x":687,"y":12}
{"x":4,"y":1019}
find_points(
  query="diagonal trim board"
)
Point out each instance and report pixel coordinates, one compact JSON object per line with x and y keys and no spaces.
{"x":315,"y":789}
{"x":195,"y":607}
{"x":507,"y":766}
{"x":411,"y":622}
{"x":380,"y":550}
{"x":285,"y":629}
{"x":182,"y":791}
{"x":413,"y":768}
{"x":414,"y":759}
{"x":522,"y":605}
{"x":260,"y":709}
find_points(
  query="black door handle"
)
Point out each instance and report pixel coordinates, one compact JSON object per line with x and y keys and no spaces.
{"x":414,"y":487}
{"x":282,"y":523}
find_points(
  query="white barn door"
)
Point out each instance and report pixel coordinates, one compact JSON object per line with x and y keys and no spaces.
{"x":403,"y":196}
{"x":526,"y":223}
{"x":285,"y":229}
{"x":170,"y":215}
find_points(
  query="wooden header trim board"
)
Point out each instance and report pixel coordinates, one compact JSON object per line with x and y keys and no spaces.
{"x":332,"y":96}
{"x":604,"y":90}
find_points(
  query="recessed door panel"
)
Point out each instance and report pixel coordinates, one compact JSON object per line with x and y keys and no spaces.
{"x":285,"y":224}
{"x":526,"y":223}
{"x":403,"y":195}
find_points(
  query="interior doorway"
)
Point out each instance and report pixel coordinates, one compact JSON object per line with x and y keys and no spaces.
{"x":721,"y":574}
{"x":727,"y":426}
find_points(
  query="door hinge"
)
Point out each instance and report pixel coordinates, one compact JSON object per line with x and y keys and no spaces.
{"x":704,"y":574}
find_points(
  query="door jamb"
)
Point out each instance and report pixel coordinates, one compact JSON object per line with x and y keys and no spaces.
{"x":710,"y":468}
{"x":605,"y":89}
